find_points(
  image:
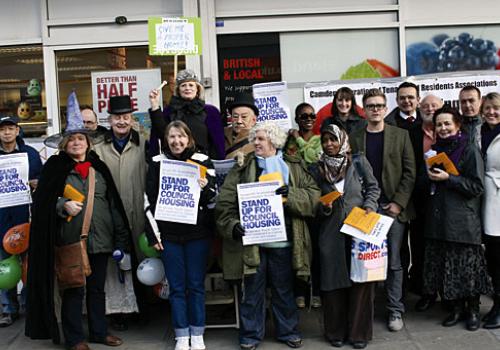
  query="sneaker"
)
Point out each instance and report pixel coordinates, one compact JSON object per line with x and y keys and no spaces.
{"x":301,"y":302}
{"x":182,"y":343}
{"x":197,"y":342}
{"x":316,"y":302}
{"x":395,"y":323}
{"x":248,"y":346}
{"x":7,"y":319}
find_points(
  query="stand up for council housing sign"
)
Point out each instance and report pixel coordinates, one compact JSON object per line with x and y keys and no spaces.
{"x":14,"y":187}
{"x":261,"y":212}
{"x":135,"y":83}
{"x":445,"y":86}
{"x":272,"y":101}
{"x":179,"y":192}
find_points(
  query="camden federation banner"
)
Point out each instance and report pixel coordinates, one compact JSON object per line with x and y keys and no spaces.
{"x":14,"y":186}
{"x":445,"y":86}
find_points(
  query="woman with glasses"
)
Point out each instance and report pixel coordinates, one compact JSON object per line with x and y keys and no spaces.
{"x":344,"y":112}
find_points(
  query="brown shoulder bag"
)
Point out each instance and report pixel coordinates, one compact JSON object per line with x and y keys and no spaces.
{"x":71,"y":261}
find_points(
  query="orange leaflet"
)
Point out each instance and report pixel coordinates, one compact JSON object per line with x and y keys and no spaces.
{"x":330,"y":197}
{"x":203,"y":169}
{"x":73,"y":194}
{"x":442,"y":159}
{"x":359,"y":219}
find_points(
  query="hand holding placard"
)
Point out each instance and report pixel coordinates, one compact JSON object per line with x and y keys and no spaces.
{"x":362,"y":220}
{"x":73,"y":194}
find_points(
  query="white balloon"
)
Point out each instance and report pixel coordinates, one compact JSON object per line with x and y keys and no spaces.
{"x":150,"y":271}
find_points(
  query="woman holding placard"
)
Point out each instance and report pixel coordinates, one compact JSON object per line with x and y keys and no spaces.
{"x":454,"y":263}
{"x":273,"y":263}
{"x":184,"y":247}
{"x":490,"y":147}
{"x":347,"y":306}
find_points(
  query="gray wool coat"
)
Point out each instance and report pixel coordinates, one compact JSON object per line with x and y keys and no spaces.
{"x":360,"y":190}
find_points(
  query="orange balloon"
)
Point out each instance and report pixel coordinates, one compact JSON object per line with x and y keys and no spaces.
{"x":16,"y":239}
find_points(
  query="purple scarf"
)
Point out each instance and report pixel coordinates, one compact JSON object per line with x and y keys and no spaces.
{"x":453,"y":146}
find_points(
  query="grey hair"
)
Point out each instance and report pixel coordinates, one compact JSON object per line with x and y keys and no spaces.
{"x":274,"y":133}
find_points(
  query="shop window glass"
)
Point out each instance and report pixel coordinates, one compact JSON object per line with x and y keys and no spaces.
{"x":74,"y":68}
{"x":452,"y":49}
{"x":22,"y":87}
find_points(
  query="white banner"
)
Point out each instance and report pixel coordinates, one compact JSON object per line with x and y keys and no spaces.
{"x":135,"y":83}
{"x":14,"y":186}
{"x":272,"y":101}
{"x":179,"y":192}
{"x":261,"y":212}
{"x":320,"y":95}
{"x":376,"y":236}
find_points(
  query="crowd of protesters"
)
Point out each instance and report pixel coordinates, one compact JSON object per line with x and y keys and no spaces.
{"x":375,"y":157}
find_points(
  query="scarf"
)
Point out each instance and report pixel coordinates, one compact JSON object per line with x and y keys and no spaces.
{"x":120,"y":144}
{"x":453,"y":146}
{"x":181,"y":108}
{"x":82,"y":168}
{"x":334,"y":168}
{"x":488,"y":135}
{"x":274,"y":164}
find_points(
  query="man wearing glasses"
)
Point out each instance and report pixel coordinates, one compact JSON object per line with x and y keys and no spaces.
{"x":390,"y":153}
{"x":90,"y":121}
{"x":244,"y":116}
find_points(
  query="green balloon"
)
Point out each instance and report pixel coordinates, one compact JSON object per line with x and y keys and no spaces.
{"x":149,"y":251}
{"x":10,"y":272}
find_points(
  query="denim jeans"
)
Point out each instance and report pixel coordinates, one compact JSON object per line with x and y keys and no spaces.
{"x":275,"y":267}
{"x":394,"y":282}
{"x":72,"y":300}
{"x":185,"y":268}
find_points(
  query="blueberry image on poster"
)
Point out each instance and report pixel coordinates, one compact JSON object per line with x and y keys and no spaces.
{"x":450,"y":54}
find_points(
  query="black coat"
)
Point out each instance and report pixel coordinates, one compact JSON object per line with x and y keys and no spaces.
{"x":41,"y":322}
{"x":454,"y":211}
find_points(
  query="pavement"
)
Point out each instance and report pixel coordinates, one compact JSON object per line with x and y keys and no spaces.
{"x":422,"y":331}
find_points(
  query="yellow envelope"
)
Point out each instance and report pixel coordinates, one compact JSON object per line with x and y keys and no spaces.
{"x":359,"y":219}
{"x":276,"y":176}
{"x":442,"y":158}
{"x":330,"y":197}
{"x":73,"y":194}
{"x":203,"y":169}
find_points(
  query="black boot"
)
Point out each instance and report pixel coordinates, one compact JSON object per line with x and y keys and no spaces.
{"x":493,"y":316}
{"x":456,"y":315}
{"x":472,"y":321}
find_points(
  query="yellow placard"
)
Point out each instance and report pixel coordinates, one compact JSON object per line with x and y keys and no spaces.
{"x":73,"y":194}
{"x":276,"y":176}
{"x":359,"y":219}
{"x":442,"y":159}
{"x":203,"y":169}
{"x":330,"y":197}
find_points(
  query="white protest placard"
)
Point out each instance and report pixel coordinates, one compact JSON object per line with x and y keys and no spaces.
{"x":222,"y":168}
{"x":174,"y":36}
{"x":272,"y":101}
{"x":14,"y":186}
{"x":376,"y":236}
{"x":261,"y":212}
{"x":135,"y":83}
{"x":179,"y":192}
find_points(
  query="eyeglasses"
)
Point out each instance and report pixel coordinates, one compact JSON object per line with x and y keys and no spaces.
{"x":375,"y":106}
{"x":305,"y":116}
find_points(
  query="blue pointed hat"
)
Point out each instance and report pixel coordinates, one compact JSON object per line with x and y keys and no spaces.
{"x":74,"y":122}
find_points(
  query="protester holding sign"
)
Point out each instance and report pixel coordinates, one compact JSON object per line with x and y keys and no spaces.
{"x":348,"y":306}
{"x":188,"y":106}
{"x":276,"y":262}
{"x":12,"y":143}
{"x":454,"y":263}
{"x":490,"y":147}
{"x":184,"y":246}
{"x":73,"y":239}
{"x":344,"y":111}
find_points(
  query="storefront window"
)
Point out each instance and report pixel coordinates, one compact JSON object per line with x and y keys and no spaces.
{"x":452,"y":49}
{"x":74,"y":68}
{"x":22,"y":88}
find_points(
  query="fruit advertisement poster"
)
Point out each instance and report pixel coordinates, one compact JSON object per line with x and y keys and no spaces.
{"x":447,"y":87}
{"x":452,"y":49}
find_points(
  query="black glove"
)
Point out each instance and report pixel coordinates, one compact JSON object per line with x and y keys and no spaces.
{"x":238,"y":232}
{"x":283,"y":190}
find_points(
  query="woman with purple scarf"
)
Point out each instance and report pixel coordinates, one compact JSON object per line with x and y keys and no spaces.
{"x":188,"y":106}
{"x":454,"y":263}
